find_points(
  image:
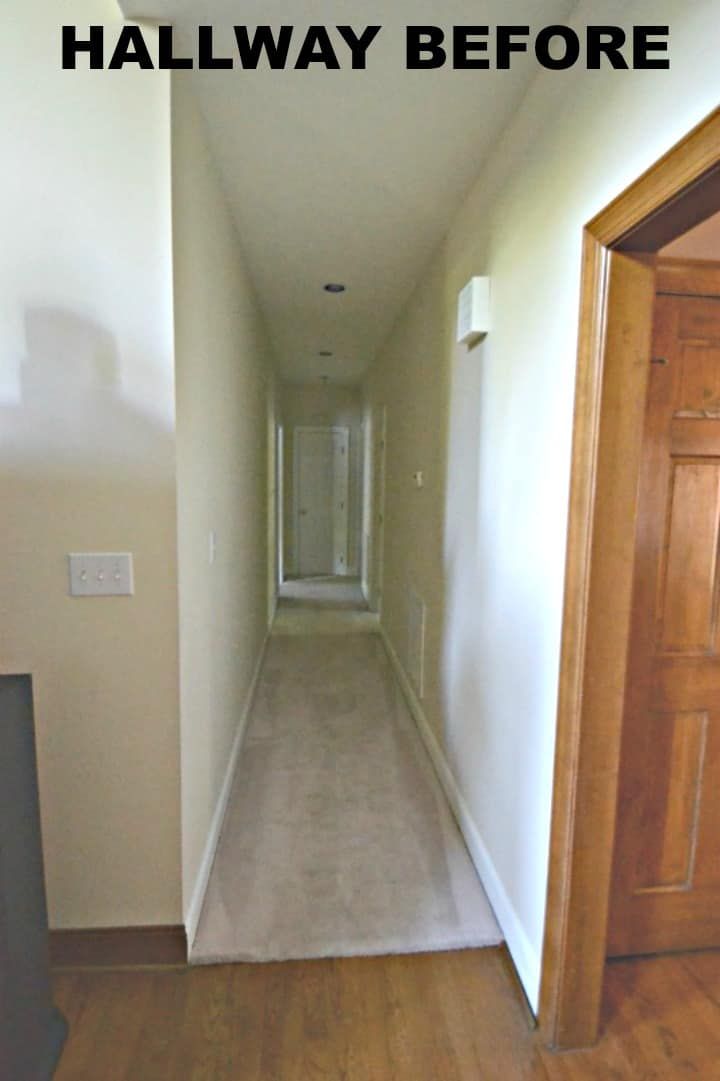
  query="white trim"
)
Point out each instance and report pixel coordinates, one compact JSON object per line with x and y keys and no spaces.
{"x":378,"y":500}
{"x":524,"y":955}
{"x":192,"y":915}
{"x":279,"y":555}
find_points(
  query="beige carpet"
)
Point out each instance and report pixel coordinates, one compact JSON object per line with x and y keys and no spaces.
{"x":316,"y":621}
{"x":329,"y":592}
{"x":337,"y":840}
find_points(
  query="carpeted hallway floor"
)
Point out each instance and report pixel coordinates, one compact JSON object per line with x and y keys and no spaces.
{"x":323,"y":605}
{"x":337,"y":840}
{"x":329,"y":592}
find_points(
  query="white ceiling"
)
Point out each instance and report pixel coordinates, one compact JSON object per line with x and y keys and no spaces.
{"x":349,"y":176}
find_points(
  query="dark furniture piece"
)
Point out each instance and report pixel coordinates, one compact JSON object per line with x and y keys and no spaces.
{"x":32,"y":1031}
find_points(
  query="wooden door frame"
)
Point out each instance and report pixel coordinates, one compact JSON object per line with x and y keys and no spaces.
{"x":617,"y":294}
{"x":297,"y":429}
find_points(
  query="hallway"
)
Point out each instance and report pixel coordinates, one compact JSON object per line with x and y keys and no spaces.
{"x":338,"y":839}
{"x":276,"y":319}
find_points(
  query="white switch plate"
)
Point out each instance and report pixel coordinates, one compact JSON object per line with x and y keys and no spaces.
{"x":101,"y":574}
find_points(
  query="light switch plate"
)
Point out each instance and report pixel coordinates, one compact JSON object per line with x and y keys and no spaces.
{"x":101,"y":574}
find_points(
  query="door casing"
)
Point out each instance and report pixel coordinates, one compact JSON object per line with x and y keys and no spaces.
{"x":617,"y":295}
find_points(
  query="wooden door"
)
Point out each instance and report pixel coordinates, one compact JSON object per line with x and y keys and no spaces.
{"x":321,"y":497}
{"x":666,"y":882}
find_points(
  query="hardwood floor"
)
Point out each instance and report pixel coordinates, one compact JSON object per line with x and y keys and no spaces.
{"x":432,"y":1017}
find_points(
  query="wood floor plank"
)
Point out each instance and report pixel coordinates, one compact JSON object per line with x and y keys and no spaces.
{"x":480,"y":999}
{"x":659,"y":1024}
{"x":435,"y":1017}
{"x":109,"y":1026}
{"x":157,"y":1044}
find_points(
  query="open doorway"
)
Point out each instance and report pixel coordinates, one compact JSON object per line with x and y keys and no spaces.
{"x":320,"y":519}
{"x":623,"y":276}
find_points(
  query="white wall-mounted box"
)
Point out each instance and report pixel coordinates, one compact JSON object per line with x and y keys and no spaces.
{"x":473,"y":321}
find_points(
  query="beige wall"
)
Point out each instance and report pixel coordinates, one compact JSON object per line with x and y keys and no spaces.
{"x":305,"y":404}
{"x":412,"y":382}
{"x":485,"y":540}
{"x":223,"y":377}
{"x":87,"y":463}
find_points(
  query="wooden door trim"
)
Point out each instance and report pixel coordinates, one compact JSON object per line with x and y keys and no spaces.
{"x":611,"y":381}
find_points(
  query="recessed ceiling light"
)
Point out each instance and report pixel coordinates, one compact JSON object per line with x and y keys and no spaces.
{"x":334,"y":287}
{"x":324,"y":353}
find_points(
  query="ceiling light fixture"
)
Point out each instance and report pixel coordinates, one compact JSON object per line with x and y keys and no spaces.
{"x":334,"y":287}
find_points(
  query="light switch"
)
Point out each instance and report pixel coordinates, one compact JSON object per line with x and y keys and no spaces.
{"x":419,"y":479}
{"x":101,"y":574}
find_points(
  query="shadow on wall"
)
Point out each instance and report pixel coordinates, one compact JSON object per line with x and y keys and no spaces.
{"x":72,"y":415}
{"x":81,"y":469}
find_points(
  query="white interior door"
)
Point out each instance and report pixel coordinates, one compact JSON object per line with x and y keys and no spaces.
{"x":321,"y":500}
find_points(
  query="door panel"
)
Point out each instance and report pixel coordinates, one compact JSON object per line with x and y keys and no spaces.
{"x":314,"y":485}
{"x":666,"y":882}
{"x":339,"y":496}
{"x":688,"y":592}
{"x":673,"y":789}
{"x":321,"y":478}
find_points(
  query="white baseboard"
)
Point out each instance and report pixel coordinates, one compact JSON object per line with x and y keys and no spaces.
{"x":192,"y":915}
{"x":525,"y":957}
